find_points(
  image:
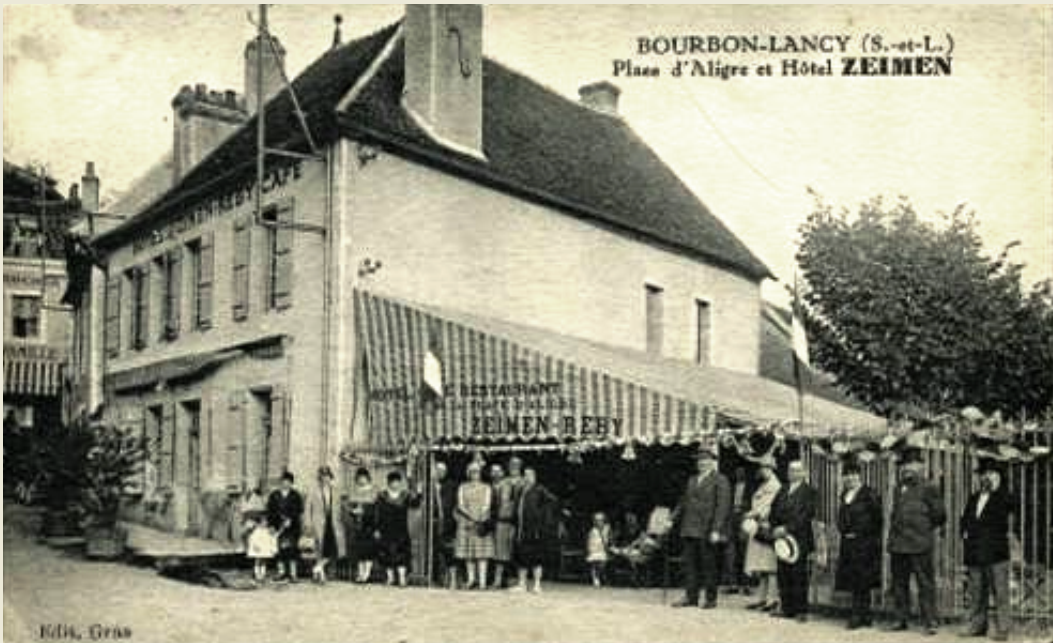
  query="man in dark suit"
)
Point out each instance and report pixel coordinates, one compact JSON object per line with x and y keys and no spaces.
{"x":792,"y":512}
{"x":444,"y":527}
{"x":985,"y":530}
{"x":703,"y":514}
{"x":917,"y":512}
{"x":285,"y":515}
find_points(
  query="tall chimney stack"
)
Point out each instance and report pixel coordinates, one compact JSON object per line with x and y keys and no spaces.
{"x":202,"y":120}
{"x":89,"y":196}
{"x":444,"y":72}
{"x":273,"y":66}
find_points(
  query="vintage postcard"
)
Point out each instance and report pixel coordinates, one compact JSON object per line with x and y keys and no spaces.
{"x":530,"y":323}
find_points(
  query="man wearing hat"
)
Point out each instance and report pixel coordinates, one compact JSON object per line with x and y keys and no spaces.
{"x":285,"y":515}
{"x":985,"y":529}
{"x":703,"y":514}
{"x":791,"y":516}
{"x":917,"y":512}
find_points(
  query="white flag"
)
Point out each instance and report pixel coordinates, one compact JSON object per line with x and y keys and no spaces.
{"x":433,"y":372}
{"x":800,"y":340}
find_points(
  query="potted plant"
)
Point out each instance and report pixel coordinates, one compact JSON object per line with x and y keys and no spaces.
{"x":113,"y":460}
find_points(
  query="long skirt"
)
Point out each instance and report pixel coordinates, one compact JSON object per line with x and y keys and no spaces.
{"x":395,"y":552}
{"x":470,"y":545}
{"x":504,"y":541}
{"x":760,"y":558}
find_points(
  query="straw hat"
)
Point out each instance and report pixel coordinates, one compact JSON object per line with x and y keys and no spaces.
{"x":786,"y":549}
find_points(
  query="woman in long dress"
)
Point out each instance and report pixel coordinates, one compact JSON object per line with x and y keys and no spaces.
{"x":475,"y":539}
{"x":392,"y":527}
{"x":537,"y":530}
{"x":322,"y":519}
{"x":760,"y":552}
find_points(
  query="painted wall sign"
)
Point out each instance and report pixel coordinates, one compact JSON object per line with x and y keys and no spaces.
{"x":242,"y":193}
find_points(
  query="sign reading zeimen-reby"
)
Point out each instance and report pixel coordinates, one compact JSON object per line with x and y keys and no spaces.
{"x":208,"y":209}
{"x":512,"y":409}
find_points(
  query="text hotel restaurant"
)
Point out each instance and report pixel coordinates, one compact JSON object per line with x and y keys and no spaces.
{"x":460,"y":215}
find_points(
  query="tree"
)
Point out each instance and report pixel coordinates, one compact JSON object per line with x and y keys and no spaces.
{"x":912,"y":316}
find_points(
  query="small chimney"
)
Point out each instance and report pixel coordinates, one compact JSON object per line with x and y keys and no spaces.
{"x":202,"y":120}
{"x":601,"y":96}
{"x":74,"y":195}
{"x":443,"y":88}
{"x":90,"y":183}
{"x":273,"y":70}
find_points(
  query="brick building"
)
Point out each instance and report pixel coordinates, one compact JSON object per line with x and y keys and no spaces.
{"x":452,"y":212}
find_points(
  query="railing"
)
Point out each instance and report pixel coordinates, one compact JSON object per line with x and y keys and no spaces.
{"x":950,"y":461}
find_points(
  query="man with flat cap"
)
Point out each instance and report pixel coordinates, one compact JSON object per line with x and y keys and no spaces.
{"x":985,"y":530}
{"x":917,"y":513}
{"x":702,"y":515}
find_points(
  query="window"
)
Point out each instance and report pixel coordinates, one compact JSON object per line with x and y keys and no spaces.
{"x":153,"y":428}
{"x":655,"y":316}
{"x":168,"y":268}
{"x":199,"y":256}
{"x":277,"y":223}
{"x":703,"y":332}
{"x":25,"y":316}
{"x":138,"y":279}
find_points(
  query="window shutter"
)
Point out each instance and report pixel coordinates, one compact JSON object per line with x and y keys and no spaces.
{"x":136,"y":428}
{"x":204,"y":281}
{"x":174,"y":292}
{"x":234,"y":466}
{"x":283,"y":260}
{"x":242,"y":247}
{"x":280,"y":424}
{"x":166,"y":464}
{"x":142,"y":330}
{"x":113,"y":316}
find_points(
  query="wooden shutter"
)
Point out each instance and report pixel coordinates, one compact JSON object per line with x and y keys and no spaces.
{"x":242,"y":249}
{"x":234,"y":465}
{"x":280,"y":432}
{"x":167,"y":461}
{"x":283,"y":260}
{"x":174,"y":292}
{"x":113,"y":316}
{"x":135,"y":427}
{"x":142,"y":305}
{"x":205,"y":276}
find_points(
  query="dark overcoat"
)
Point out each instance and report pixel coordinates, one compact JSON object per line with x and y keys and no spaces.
{"x":917,"y":513}
{"x":705,"y":507}
{"x":795,"y":511}
{"x":860,"y":525}
{"x":986,"y":536}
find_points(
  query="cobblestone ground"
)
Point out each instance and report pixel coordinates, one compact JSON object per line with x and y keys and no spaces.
{"x":43,"y":586}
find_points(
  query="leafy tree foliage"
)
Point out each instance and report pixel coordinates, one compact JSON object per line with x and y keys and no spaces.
{"x":913,"y":317}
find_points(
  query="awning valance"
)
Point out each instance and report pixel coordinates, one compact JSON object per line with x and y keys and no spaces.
{"x":436,"y":374}
{"x":32,"y":370}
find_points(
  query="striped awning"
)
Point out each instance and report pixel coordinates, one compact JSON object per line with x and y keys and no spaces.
{"x":491,"y":387}
{"x":434,"y":374}
{"x":25,"y":375}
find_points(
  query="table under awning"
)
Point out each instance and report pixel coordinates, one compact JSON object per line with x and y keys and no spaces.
{"x":434,"y":375}
{"x":33,"y":370}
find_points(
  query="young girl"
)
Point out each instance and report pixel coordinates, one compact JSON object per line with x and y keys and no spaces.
{"x":392,"y":527}
{"x":262,"y":543}
{"x":597,"y":545}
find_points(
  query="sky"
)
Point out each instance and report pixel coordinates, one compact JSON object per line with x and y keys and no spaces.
{"x":95,"y":82}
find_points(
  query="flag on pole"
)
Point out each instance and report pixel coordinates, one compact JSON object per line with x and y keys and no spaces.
{"x":799,"y":337}
{"x":433,"y":367}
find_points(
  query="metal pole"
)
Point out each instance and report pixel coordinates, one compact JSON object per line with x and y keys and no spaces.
{"x":261,"y":132}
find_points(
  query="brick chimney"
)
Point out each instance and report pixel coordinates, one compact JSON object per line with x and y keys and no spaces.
{"x":273,"y":66}
{"x":203,"y":119}
{"x":601,"y":96}
{"x":443,"y":89}
{"x":89,"y":196}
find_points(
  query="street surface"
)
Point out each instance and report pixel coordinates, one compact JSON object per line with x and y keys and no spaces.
{"x":68,"y":595}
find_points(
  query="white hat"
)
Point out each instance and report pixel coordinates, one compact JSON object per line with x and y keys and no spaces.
{"x":786,"y":549}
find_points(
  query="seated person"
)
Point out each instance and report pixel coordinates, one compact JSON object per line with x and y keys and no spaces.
{"x":635,"y":545}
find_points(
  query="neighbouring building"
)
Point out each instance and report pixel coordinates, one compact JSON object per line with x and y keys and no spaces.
{"x":459,"y":228}
{"x":37,"y":327}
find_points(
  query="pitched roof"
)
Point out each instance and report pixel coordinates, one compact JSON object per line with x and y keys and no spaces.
{"x":538,"y":145}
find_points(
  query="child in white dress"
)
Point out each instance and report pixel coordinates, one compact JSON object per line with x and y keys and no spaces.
{"x":597,"y":546}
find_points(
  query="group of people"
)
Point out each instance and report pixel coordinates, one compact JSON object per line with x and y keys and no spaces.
{"x":777,"y":527}
{"x":511,"y":520}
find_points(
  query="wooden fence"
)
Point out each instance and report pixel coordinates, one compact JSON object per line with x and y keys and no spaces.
{"x":950,"y":460}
